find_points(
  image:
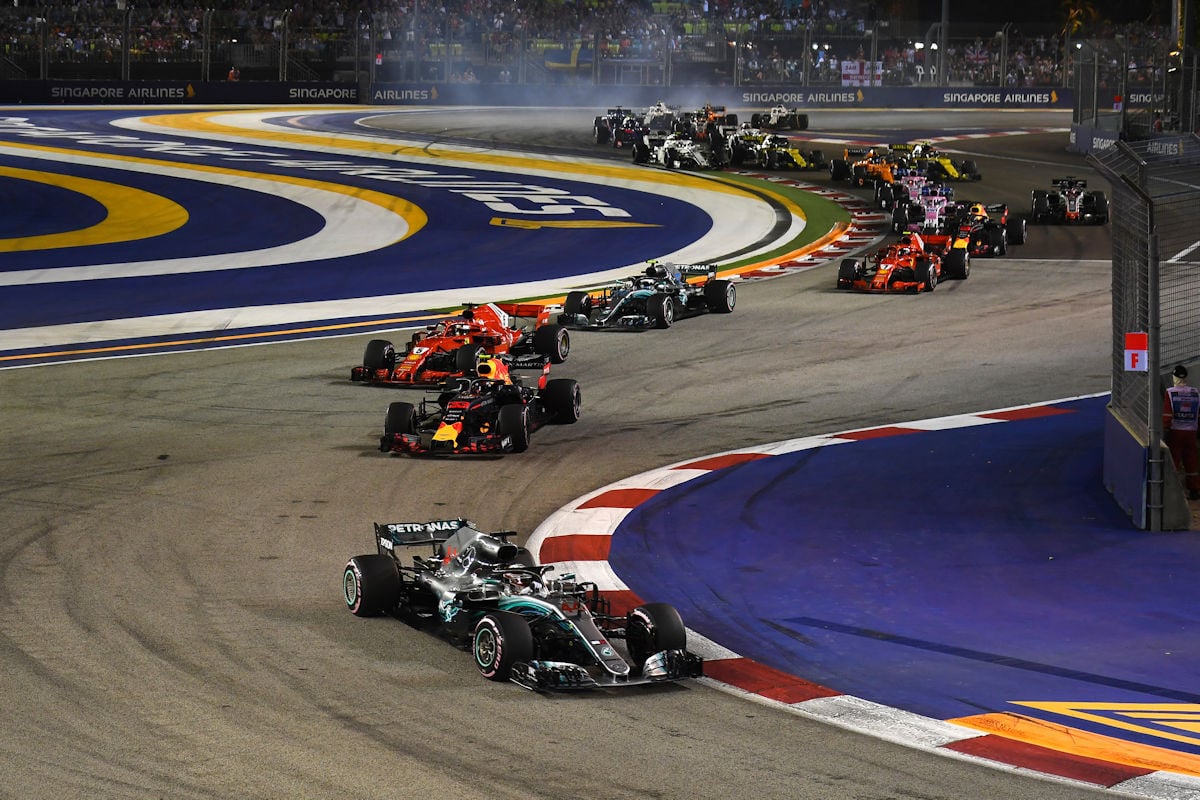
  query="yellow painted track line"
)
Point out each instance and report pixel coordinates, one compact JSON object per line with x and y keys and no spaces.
{"x":132,"y":214}
{"x":233,"y":337}
{"x":1082,"y":743}
{"x":413,"y":215}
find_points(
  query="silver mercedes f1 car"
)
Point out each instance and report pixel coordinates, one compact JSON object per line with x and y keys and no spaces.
{"x":486,"y":594}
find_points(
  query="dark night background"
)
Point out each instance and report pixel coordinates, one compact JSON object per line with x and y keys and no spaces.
{"x":1046,"y":11}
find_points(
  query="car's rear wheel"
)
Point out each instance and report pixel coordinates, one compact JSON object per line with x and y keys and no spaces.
{"x":401,"y":418}
{"x":371,"y":585}
{"x":650,"y":629}
{"x":379,"y":355}
{"x":720,"y":296}
{"x":513,"y":422}
{"x":554,"y":341}
{"x":661,"y":310}
{"x":501,"y":640}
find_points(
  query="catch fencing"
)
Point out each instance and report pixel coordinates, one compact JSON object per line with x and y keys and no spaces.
{"x":1156,"y":291}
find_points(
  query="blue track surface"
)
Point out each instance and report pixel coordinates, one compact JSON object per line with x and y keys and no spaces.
{"x":948,"y":573}
{"x":459,"y":234}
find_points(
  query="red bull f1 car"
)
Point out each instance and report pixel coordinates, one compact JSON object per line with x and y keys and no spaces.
{"x":485,"y":594}
{"x":651,"y":299}
{"x":1070,"y":201}
{"x":488,"y":414}
{"x":449,"y":348}
{"x":989,"y":228}
{"x":911,"y":265}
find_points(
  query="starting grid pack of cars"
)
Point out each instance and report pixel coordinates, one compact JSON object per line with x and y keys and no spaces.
{"x":481,"y":592}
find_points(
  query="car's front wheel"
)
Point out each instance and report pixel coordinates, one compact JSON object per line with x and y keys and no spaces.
{"x":380,"y":354}
{"x":513,"y":422}
{"x":562,"y":400}
{"x":661,"y":309}
{"x":502,"y":639}
{"x":650,"y":629}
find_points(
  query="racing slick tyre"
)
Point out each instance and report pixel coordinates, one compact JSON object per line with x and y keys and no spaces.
{"x":600,"y":133}
{"x":1101,"y":209}
{"x":885,"y":196}
{"x":1001,"y":247}
{"x":379,"y":355}
{"x":660,"y":308}
{"x":801,"y":122}
{"x":839,"y":170}
{"x":401,"y":418}
{"x":756,"y":120}
{"x":957,"y":264}
{"x":371,"y":585}
{"x":1041,"y":206}
{"x":720,"y":296}
{"x":969,"y":170}
{"x":465,"y":358}
{"x":562,"y":400}
{"x":1016,"y":230}
{"x":501,"y":640}
{"x":926,"y":276}
{"x":641,"y":152}
{"x":513,"y":422}
{"x":578,"y":304}
{"x":859,"y":176}
{"x":554,"y":341}
{"x":650,"y":629}
{"x":847,"y":273}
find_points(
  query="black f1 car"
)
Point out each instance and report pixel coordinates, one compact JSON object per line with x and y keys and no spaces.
{"x":651,"y":299}
{"x":619,"y":126}
{"x":486,"y":594}
{"x":480,"y":415}
{"x":1070,"y":201}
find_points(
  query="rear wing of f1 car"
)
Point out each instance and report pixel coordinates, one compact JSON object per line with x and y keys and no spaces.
{"x":436,"y":533}
{"x":1069,"y":182}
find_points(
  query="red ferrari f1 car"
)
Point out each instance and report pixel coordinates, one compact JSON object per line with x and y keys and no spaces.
{"x":910,"y":265}
{"x":449,"y":348}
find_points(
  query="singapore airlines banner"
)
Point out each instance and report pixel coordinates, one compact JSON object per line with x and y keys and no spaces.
{"x":830,"y":97}
{"x":554,"y":95}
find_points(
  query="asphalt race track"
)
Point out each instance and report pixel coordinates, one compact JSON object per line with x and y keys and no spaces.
{"x":175,"y":528}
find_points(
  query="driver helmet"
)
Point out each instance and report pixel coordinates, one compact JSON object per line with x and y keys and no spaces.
{"x":491,"y":368}
{"x":977,"y":210}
